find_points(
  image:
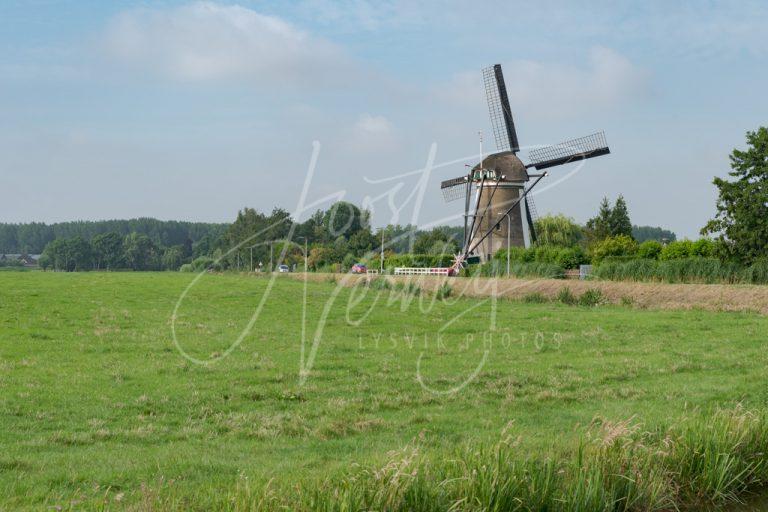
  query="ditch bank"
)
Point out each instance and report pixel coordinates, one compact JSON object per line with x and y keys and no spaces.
{"x":714,"y":297}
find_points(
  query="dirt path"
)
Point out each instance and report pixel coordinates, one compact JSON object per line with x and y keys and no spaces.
{"x":716,"y":297}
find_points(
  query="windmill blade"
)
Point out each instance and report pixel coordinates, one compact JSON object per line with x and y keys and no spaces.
{"x":498,"y":109}
{"x":454,"y":189}
{"x":569,"y":151}
{"x":531,"y":216}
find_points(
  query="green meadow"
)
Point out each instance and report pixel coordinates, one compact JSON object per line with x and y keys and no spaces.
{"x":108,"y":402}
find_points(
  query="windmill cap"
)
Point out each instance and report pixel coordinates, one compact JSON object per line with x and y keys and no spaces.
{"x":507,"y":164}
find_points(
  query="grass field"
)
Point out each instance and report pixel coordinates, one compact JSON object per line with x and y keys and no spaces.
{"x":100,"y":409}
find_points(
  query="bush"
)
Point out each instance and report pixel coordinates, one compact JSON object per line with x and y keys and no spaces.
{"x":535,"y":298}
{"x":187,"y":267}
{"x":621,"y":245}
{"x":703,"y":247}
{"x":444,"y":291}
{"x":570,"y":257}
{"x":591,"y":297}
{"x":677,"y":250}
{"x":566,"y":296}
{"x":204,"y":263}
{"x":650,"y":250}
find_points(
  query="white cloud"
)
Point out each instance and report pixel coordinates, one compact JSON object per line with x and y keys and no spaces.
{"x":209,"y":41}
{"x":554,"y":90}
{"x":373,"y":125}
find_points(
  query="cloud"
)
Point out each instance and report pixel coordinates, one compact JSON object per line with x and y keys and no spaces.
{"x":207,"y":41}
{"x":373,"y":125}
{"x":606,"y":80}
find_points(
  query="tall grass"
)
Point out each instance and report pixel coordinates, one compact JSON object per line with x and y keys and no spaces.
{"x":688,"y":270}
{"x":704,"y":462}
{"x":496,"y":268}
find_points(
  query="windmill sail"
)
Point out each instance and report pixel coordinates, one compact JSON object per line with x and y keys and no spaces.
{"x":569,"y":151}
{"x":454,"y":189}
{"x":499,"y":111}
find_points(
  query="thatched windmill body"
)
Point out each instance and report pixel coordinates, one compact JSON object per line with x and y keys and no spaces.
{"x":498,"y":209}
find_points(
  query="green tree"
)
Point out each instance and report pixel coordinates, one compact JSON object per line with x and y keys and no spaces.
{"x":643,"y":233}
{"x":437,"y":241}
{"x":344,"y":219}
{"x":173,"y":257}
{"x":740,"y":224}
{"x":619,"y":219}
{"x":107,"y":250}
{"x":140,"y":252}
{"x":80,"y":254}
{"x":362,"y":242}
{"x":599,"y":227}
{"x":557,"y":230}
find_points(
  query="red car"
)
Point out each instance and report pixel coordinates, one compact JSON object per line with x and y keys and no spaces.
{"x":359,"y":268}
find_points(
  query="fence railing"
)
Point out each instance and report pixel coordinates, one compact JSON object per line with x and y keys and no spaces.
{"x":419,"y":271}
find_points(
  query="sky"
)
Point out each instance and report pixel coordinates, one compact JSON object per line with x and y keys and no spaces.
{"x":194,"y":110}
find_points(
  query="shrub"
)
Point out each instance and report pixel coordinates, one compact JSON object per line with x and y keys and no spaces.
{"x":621,"y":245}
{"x":204,"y":263}
{"x":444,"y":291}
{"x":380,"y":284}
{"x":570,"y":257}
{"x":703,"y":247}
{"x":535,"y":298}
{"x":650,"y":250}
{"x":187,"y":267}
{"x":566,"y":296}
{"x":591,"y":297}
{"x":677,"y":250}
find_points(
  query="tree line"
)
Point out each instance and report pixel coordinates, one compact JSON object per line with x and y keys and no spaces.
{"x":31,"y":238}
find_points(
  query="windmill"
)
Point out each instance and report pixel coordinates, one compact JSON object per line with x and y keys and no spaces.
{"x":503,"y":211}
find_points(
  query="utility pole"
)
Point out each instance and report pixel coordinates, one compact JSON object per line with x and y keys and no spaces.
{"x":381,"y":257}
{"x":305,"y":254}
{"x":509,"y":230}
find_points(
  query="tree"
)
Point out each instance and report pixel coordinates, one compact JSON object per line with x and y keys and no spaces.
{"x":344,"y":219}
{"x":643,"y":233}
{"x":107,"y":250}
{"x":80,"y":255}
{"x":557,"y":230}
{"x":742,"y":206}
{"x":362,"y":242}
{"x":140,"y":252}
{"x":173,"y":257}
{"x":437,"y":241}
{"x":599,"y":227}
{"x":619,"y":219}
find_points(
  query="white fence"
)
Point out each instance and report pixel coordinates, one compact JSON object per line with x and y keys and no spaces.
{"x":416,"y":271}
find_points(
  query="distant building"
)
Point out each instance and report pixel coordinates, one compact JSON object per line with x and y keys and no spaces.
{"x":27,"y":260}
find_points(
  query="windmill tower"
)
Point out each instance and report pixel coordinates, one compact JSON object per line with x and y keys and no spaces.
{"x":498,"y":208}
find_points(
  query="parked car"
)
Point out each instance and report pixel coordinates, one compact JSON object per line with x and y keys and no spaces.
{"x":359,"y":268}
{"x":283,"y":268}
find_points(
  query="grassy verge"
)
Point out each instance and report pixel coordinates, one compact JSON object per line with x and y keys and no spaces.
{"x":704,"y":462}
{"x":99,"y":410}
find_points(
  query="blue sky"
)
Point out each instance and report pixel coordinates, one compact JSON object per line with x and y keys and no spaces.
{"x":183,"y":110}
